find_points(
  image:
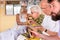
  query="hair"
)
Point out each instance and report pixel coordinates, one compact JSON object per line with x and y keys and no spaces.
{"x":57,"y":17}
{"x":58,"y":0}
{"x":36,"y":8}
{"x":53,"y":17}
{"x":49,"y":1}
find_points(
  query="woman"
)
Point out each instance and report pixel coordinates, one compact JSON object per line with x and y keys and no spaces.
{"x":21,"y":20}
{"x":36,"y":18}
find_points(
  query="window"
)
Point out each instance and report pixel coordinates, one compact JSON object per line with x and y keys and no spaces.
{"x":9,"y":9}
{"x":12,"y":7}
{"x":17,"y":8}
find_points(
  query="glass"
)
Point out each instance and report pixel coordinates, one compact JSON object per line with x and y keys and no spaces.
{"x":17,"y":8}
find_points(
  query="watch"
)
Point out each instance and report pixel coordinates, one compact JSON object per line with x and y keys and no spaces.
{"x":46,"y":30}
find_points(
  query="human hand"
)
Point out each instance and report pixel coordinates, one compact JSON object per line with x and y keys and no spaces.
{"x":40,"y":28}
{"x":31,"y":22}
{"x":36,"y":34}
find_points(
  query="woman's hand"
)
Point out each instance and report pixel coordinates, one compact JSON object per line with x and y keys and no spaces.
{"x":36,"y":34}
{"x":31,"y":22}
{"x":40,"y":28}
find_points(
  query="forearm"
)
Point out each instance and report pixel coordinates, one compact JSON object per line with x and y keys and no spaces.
{"x":51,"y":33}
{"x":40,"y":28}
{"x":20,"y":23}
{"x":48,"y":31}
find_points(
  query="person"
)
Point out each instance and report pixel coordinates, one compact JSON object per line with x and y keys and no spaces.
{"x":56,"y":17}
{"x":21,"y":18}
{"x":36,"y":14}
{"x":21,"y":21}
{"x":49,"y":27}
{"x":35,"y":18}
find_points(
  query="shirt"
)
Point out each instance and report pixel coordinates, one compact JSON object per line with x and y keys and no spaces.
{"x":49,"y":24}
{"x":22,"y":18}
{"x":59,"y":29}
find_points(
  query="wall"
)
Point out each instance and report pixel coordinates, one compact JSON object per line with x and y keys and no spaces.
{"x":6,"y":22}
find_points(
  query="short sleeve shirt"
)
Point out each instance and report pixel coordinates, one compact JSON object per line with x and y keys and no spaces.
{"x":49,"y":24}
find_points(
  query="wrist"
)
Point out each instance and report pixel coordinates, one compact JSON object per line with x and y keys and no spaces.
{"x":45,"y":30}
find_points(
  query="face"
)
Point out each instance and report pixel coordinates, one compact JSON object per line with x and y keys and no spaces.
{"x":23,"y":11}
{"x":34,"y":14}
{"x":46,"y":7}
{"x":56,"y":10}
{"x":56,"y":7}
{"x":35,"y":11}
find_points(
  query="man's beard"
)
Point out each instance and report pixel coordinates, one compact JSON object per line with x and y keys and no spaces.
{"x":57,"y":17}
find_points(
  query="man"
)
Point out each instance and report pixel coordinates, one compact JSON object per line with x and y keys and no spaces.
{"x":21,"y":20}
{"x":56,"y":9}
{"x":49,"y":27}
{"x":56,"y":17}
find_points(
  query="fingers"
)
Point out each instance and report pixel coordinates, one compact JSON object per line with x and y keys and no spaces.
{"x":36,"y":34}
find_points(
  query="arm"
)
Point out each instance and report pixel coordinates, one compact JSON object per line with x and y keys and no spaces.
{"x":18,"y":20}
{"x":51,"y":33}
{"x":55,"y":30}
{"x":44,"y":37}
{"x":45,"y":25}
